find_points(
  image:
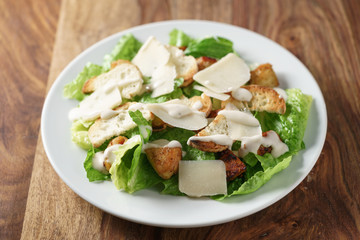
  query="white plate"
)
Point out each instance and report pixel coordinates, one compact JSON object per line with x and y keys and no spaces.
{"x":150,"y":207}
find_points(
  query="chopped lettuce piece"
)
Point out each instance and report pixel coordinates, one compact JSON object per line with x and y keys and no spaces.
{"x":126,"y":49}
{"x":73,"y":90}
{"x":214,"y":47}
{"x":179,"y":38}
{"x":145,"y":128}
{"x":91,"y":173}
{"x":79,"y":134}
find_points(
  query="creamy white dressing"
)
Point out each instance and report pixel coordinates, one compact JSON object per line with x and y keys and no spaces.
{"x":281,"y":92}
{"x":241,"y":124}
{"x":162,"y":143}
{"x":252,"y":144}
{"x":98,"y":162}
{"x":241,"y":94}
{"x":197,"y":105}
{"x":220,"y":139}
{"x":100,"y":157}
{"x":210,"y":93}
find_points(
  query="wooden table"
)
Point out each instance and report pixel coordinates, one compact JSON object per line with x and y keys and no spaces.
{"x":38,"y":39}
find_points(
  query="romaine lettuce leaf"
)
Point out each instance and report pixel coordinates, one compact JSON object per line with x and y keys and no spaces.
{"x":126,"y":49}
{"x":91,"y":173}
{"x":214,"y":47}
{"x":179,"y":38}
{"x":79,"y":134}
{"x":73,"y":89}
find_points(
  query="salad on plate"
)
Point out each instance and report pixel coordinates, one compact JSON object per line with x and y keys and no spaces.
{"x":188,"y":117}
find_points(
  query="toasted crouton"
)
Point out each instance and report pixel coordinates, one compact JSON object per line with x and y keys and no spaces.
{"x":117,"y":140}
{"x":164,"y":160}
{"x":264,"y":99}
{"x":234,"y":166}
{"x":158,"y":124}
{"x":217,"y":126}
{"x":264,"y":75}
{"x":122,"y":72}
{"x":104,"y":129}
{"x":186,"y":66}
{"x":203,"y":103}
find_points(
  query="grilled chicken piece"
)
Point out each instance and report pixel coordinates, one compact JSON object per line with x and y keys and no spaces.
{"x":164,"y":160}
{"x":234,"y":166}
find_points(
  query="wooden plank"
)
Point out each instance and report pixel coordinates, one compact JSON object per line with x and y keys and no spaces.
{"x":322,"y":35}
{"x":24,"y":68}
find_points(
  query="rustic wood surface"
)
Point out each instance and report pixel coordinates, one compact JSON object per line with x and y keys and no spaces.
{"x":39,"y":38}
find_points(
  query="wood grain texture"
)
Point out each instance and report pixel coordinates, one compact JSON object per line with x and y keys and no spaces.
{"x":24,"y":67}
{"x":324,"y":35}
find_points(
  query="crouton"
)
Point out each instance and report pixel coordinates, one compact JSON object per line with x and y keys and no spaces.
{"x":264,"y":75}
{"x":164,"y":160}
{"x":201,"y":103}
{"x":117,"y":140}
{"x":104,"y":129}
{"x":264,"y":99}
{"x":234,"y":166}
{"x":118,"y":62}
{"x":217,"y":126}
{"x":121,"y":73}
{"x":158,"y":124}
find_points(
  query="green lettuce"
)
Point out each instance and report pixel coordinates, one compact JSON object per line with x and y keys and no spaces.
{"x":213,"y":47}
{"x":91,"y":173}
{"x":73,"y":90}
{"x":179,"y":38}
{"x":79,"y":134}
{"x":126,"y":49}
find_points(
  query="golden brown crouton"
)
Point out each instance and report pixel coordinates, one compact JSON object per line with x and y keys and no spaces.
{"x":165,"y":160}
{"x":118,"y":62}
{"x":217,"y":126}
{"x":264,"y":99}
{"x":234,"y":166}
{"x":207,"y":146}
{"x":204,"y":102}
{"x":117,"y":140}
{"x":158,"y":124}
{"x":264,"y":75}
